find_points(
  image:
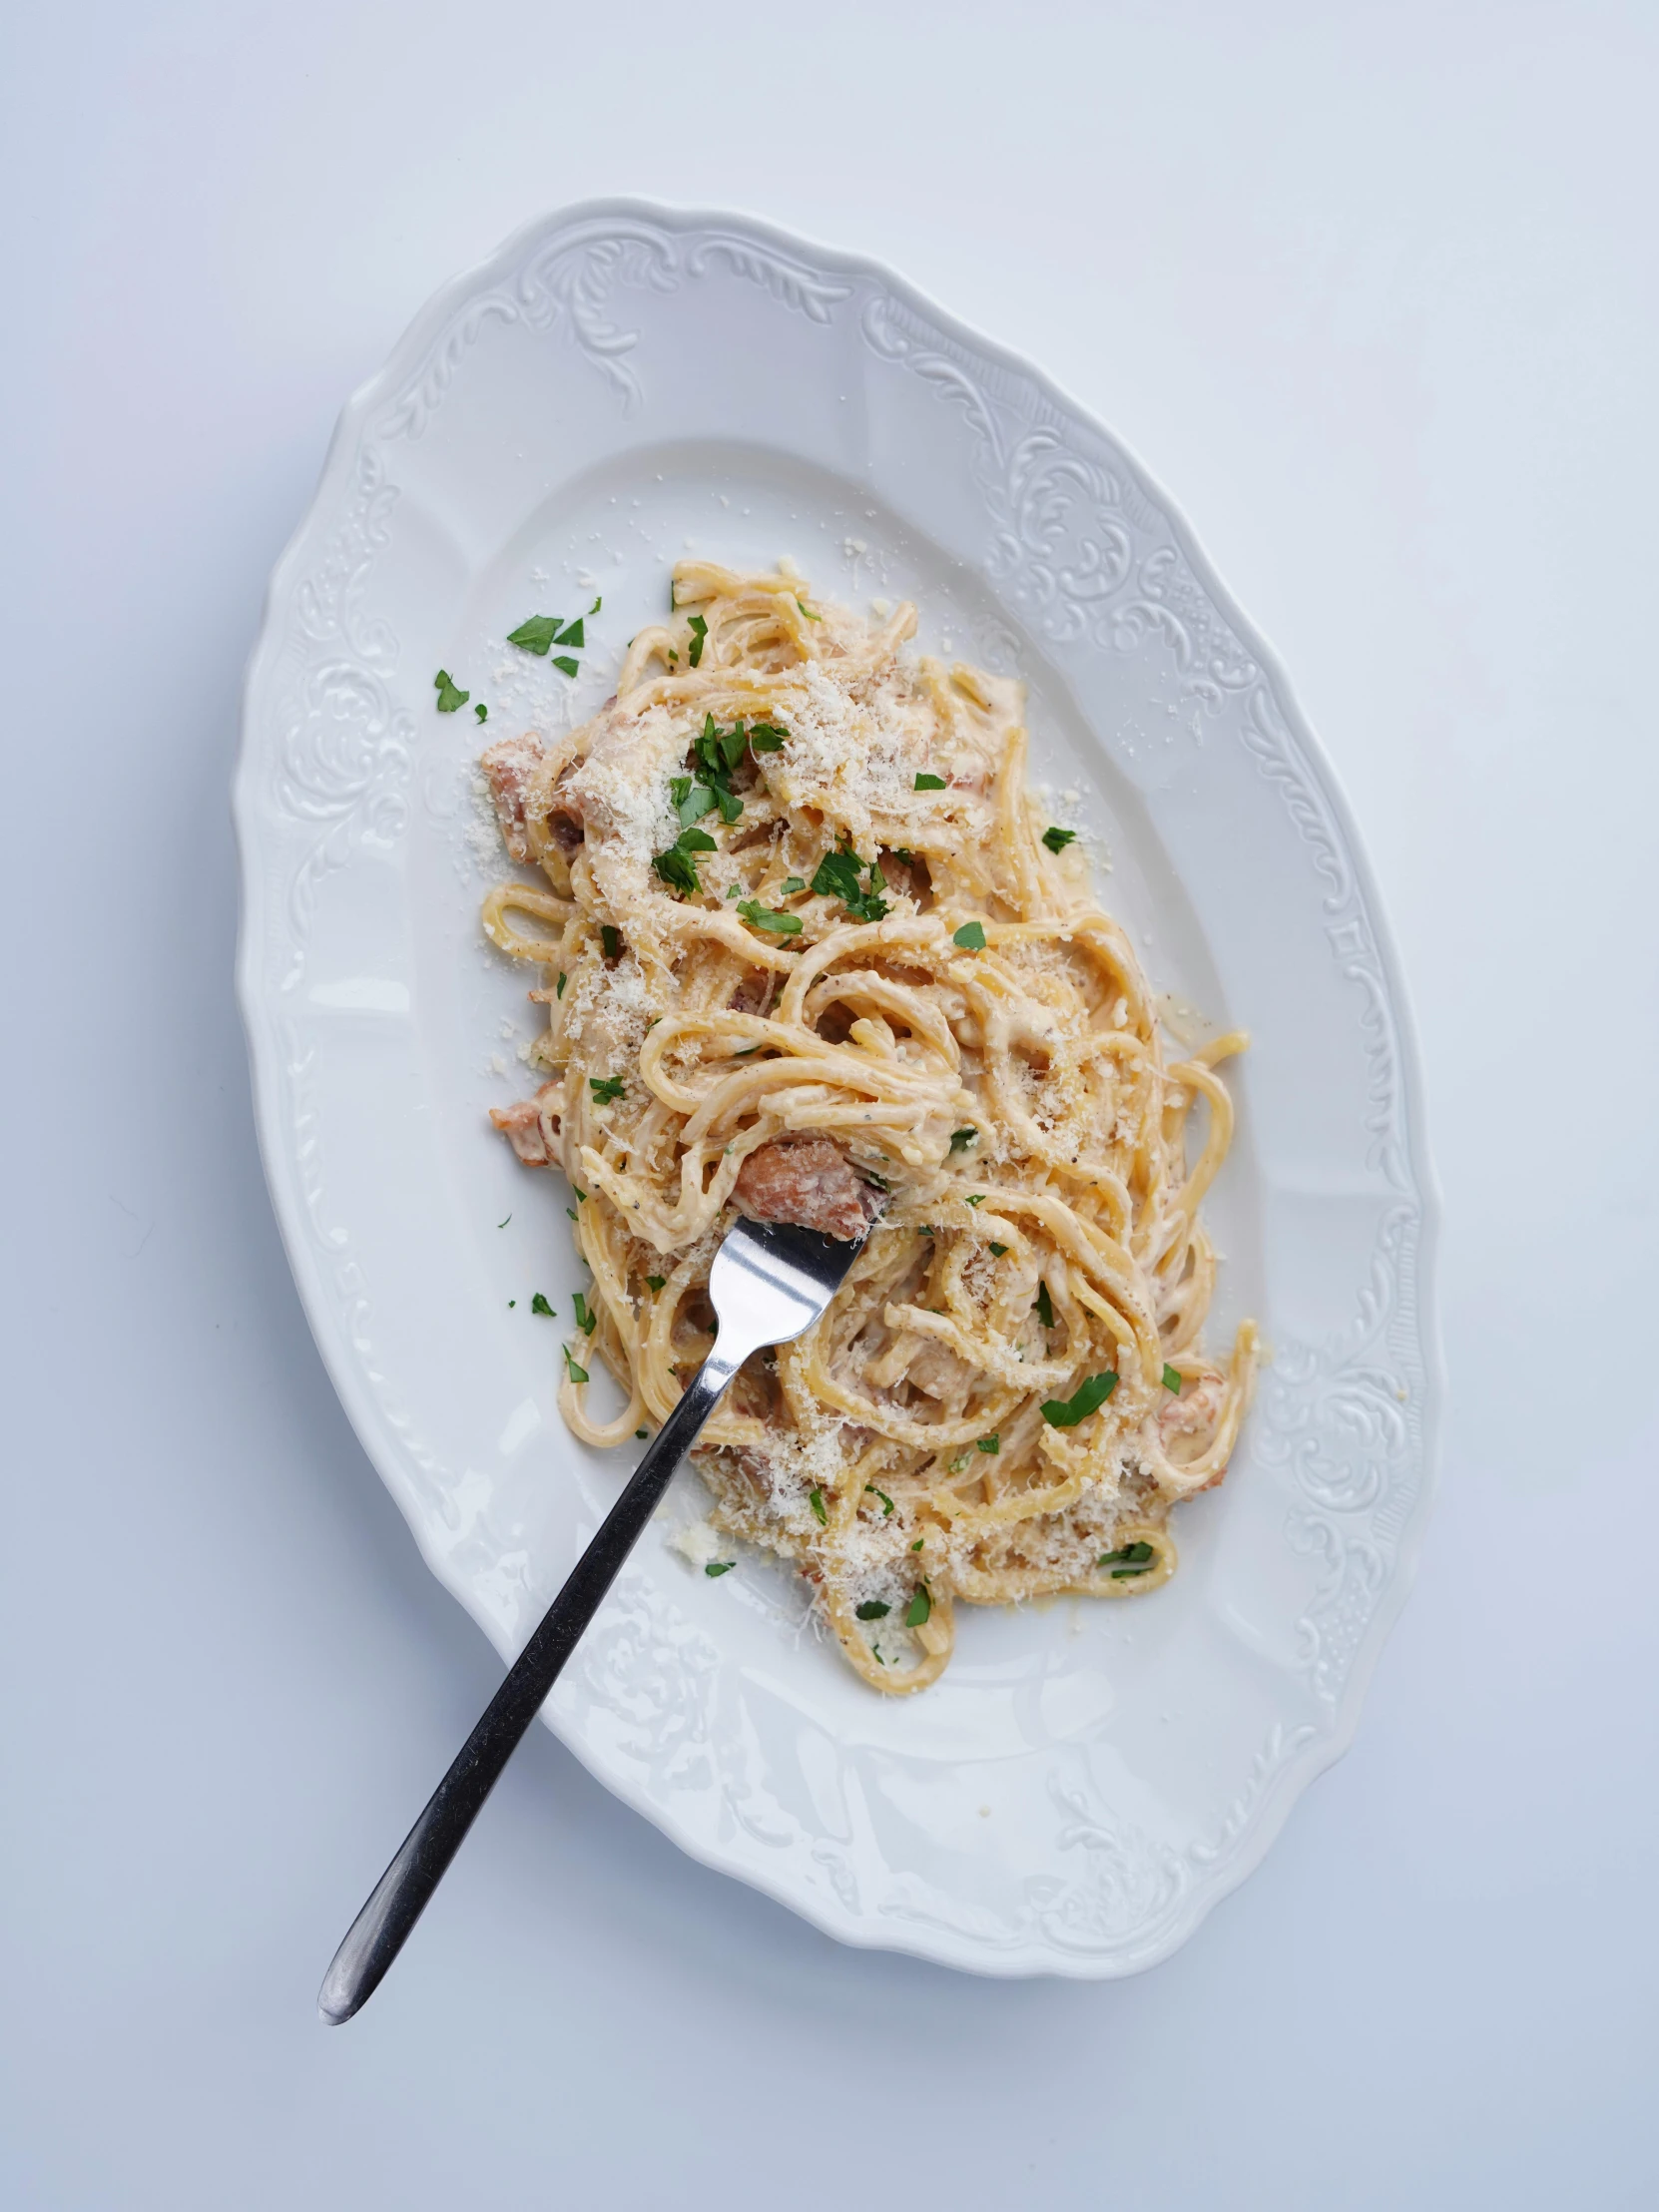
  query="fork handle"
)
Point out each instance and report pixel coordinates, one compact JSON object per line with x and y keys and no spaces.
{"x":398,"y":1899}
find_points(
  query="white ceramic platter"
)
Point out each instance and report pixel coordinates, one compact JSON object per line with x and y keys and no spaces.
{"x":620,"y":385}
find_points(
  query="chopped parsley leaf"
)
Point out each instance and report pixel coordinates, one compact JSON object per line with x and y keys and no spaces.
{"x":1133,"y":1556}
{"x":886,"y":1502}
{"x":610,"y":937}
{"x":559,"y":986}
{"x":720,"y":1566}
{"x":1172,"y":1380}
{"x":577,"y":1373}
{"x":481,"y":711}
{"x":677,"y":865}
{"x":901,"y":853}
{"x":961,"y":1139}
{"x":511,"y":1302}
{"x":605,"y":1088}
{"x":991,"y":1445}
{"x":872,"y":1609}
{"x":575,"y":635}
{"x":916,"y":1547}
{"x":768,"y":918}
{"x":970,"y":937}
{"x":790,"y":885}
{"x":766,"y":737}
{"x":450,"y":699}
{"x":539,"y":1305}
{"x":807,"y":611}
{"x":536,"y":635}
{"x":594,"y":608}
{"x":975,"y":1198}
{"x":1087,"y":1399}
{"x":838,"y":878}
{"x":564,"y":664}
{"x":815,"y":1498}
{"x":919,"y":1609}
{"x":699,"y":630}
{"x":586,"y":1319}
{"x":1057,"y":840}
{"x":690,"y":801}
{"x":1045,"y":1305}
{"x":925,"y":783}
{"x":640,"y":1435}
{"x":657,"y":1282}
{"x":503,"y":1224}
{"x":997,"y":1251}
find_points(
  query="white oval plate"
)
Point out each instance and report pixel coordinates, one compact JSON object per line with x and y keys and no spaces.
{"x":622,"y":384}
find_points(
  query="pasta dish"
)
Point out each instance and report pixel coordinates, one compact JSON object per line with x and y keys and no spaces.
{"x":808,"y":952}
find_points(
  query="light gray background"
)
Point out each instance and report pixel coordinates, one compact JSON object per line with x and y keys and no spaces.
{"x":1373,"y":291}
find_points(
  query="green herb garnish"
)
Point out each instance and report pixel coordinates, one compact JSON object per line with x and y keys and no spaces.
{"x":974,"y":1198}
{"x":605,"y":1088}
{"x":1057,"y":840}
{"x":1045,"y":1305}
{"x":838,"y":878}
{"x":1172,"y":1380}
{"x":919,"y":1609}
{"x":657,"y":1282}
{"x":640,"y":1435}
{"x":718,"y":1566}
{"x":699,"y":630}
{"x":807,"y":611}
{"x":961,"y":1139}
{"x":587,"y":1319}
{"x":916,"y":1547}
{"x":1089,"y":1398}
{"x":559,"y":986}
{"x":871,"y":1609}
{"x":766,"y":737}
{"x":448,"y":697}
{"x":536,"y":635}
{"x":576,"y":1373}
{"x":503,"y":1223}
{"x":768,"y":918}
{"x":609,"y":938}
{"x":575,"y":635}
{"x":790,"y":885}
{"x":991,"y":1445}
{"x":997,"y":1251}
{"x":677,"y":865}
{"x":815,"y":1498}
{"x":886,"y":1502}
{"x":539,"y":1305}
{"x":970,"y":937}
{"x":925,"y":783}
{"x":481,"y":711}
{"x":1134,"y":1555}
{"x":564,"y":663}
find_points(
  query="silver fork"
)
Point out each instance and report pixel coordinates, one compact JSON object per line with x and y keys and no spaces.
{"x":768,"y":1282}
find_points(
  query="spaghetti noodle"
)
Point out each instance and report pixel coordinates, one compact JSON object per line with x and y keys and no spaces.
{"x":807,"y":954}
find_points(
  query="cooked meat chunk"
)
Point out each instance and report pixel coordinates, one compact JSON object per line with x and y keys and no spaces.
{"x":529,"y":1124}
{"x":508,"y":768}
{"x":808,"y":1181}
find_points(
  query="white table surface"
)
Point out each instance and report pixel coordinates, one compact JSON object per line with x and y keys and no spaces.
{"x":1373,"y":291}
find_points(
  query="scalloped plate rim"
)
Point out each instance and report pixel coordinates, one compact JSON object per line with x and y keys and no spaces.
{"x":865,"y":1931}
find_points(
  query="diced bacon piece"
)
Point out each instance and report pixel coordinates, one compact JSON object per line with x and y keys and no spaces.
{"x":526,"y":1124}
{"x":508,"y":768}
{"x":808,"y":1181}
